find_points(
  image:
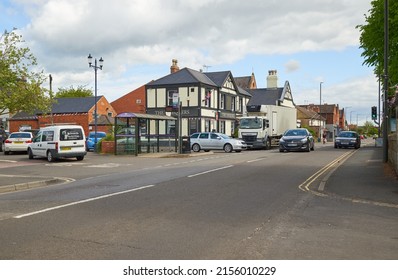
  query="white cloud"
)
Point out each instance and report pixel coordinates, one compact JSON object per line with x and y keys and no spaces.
{"x":292,"y":66}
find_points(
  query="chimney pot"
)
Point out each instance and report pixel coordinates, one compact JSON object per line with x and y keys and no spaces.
{"x":174,"y":66}
{"x":272,"y":79}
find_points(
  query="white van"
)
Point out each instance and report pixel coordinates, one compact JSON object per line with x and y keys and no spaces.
{"x":59,"y":141}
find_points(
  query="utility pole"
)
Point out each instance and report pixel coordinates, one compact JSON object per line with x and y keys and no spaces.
{"x":385,"y":109}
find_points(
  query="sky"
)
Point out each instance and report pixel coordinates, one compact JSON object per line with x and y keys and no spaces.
{"x":313,"y":44}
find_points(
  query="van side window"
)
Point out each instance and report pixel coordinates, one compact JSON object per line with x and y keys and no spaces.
{"x":47,"y":136}
{"x":70,"y":134}
{"x":37,"y":137}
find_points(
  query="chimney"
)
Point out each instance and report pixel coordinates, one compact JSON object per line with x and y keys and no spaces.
{"x":272,"y":79}
{"x":174,"y":67}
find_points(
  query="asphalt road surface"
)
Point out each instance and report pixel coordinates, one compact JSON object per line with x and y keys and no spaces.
{"x":249,"y":205}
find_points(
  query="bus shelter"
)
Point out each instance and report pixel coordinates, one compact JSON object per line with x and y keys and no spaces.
{"x":137,"y":133}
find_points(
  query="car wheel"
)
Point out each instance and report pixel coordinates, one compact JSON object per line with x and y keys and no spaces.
{"x":196,"y":148}
{"x":281,"y":150}
{"x":30,"y":154}
{"x":6,"y":152}
{"x":79,"y":158}
{"x":313,"y":147}
{"x":228,"y":148}
{"x":50,"y":157}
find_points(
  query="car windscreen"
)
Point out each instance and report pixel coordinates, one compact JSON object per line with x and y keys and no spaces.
{"x":295,"y":133}
{"x":347,"y":135}
{"x":20,"y":135}
{"x":99,"y":134}
{"x":69,"y":134}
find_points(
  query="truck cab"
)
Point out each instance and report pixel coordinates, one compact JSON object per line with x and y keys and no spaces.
{"x":254,"y":131}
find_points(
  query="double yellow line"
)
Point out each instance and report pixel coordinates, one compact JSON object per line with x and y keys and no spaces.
{"x":305,"y":186}
{"x":332,"y":166}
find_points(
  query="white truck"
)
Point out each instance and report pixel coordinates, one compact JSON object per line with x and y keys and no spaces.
{"x":264,"y":125}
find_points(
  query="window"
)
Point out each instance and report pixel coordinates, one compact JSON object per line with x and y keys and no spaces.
{"x":213,"y":136}
{"x":207,"y":98}
{"x":222,"y":101}
{"x":48,"y":136}
{"x":240,"y":104}
{"x":70,"y":134}
{"x":222,"y":126}
{"x":204,"y":136}
{"x":233,"y":104}
{"x":170,"y":94}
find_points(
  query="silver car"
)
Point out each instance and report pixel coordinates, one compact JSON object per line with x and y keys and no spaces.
{"x":215,"y":141}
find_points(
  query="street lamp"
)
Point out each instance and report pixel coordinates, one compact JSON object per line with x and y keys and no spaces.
{"x":345,"y":114}
{"x":320,"y":105}
{"x":351,"y":116}
{"x":96,"y":67}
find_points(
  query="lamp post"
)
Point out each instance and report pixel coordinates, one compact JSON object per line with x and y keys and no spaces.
{"x":345,"y":114}
{"x":96,"y":67}
{"x":351,"y":116}
{"x":320,"y":105}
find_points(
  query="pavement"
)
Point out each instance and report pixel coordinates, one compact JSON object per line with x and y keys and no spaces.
{"x":362,"y":177}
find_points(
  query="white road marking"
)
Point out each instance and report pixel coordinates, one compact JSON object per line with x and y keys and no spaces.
{"x":209,"y":171}
{"x":254,"y":160}
{"x":81,"y":201}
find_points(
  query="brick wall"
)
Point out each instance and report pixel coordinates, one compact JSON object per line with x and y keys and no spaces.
{"x":132,"y":102}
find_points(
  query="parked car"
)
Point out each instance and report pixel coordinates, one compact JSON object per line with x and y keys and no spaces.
{"x":90,"y":140}
{"x":17,"y":142}
{"x":298,"y":139}
{"x":59,"y":141}
{"x":347,"y":139}
{"x":215,"y":141}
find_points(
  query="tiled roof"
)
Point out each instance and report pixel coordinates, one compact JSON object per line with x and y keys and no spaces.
{"x":183,"y":76}
{"x":265,"y":96}
{"x":64,"y":106}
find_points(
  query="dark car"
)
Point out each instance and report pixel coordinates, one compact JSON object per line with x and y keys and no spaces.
{"x":348,"y":139}
{"x":298,"y":139}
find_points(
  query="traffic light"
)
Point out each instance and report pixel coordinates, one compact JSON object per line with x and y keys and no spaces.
{"x":374,"y":113}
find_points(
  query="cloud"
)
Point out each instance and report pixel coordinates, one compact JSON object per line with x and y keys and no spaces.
{"x":292,"y":66}
{"x":225,"y":31}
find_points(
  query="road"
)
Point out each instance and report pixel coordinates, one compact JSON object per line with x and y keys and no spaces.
{"x":249,"y":205}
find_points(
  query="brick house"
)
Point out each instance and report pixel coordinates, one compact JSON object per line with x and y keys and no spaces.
{"x":78,"y":110}
{"x":332,"y":114}
{"x":246,"y":82}
{"x":133,"y":101}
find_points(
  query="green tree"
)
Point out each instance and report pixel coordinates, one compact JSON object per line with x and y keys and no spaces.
{"x":80,"y":91}
{"x":372,"y":40}
{"x":20,"y":82}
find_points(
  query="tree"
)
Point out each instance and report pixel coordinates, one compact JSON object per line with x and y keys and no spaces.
{"x":20,"y":84}
{"x":372,"y":41}
{"x":80,"y":91}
